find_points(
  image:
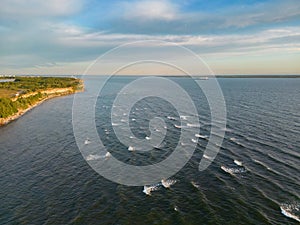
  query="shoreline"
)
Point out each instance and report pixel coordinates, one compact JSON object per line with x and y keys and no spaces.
{"x":53,"y":94}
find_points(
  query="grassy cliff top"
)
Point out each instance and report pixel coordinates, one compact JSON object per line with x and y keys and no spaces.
{"x":24,"y":85}
{"x":21,"y":93}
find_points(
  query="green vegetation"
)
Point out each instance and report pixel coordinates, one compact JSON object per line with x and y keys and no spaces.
{"x":9,"y":107}
{"x":32,"y":84}
{"x":12,"y":97}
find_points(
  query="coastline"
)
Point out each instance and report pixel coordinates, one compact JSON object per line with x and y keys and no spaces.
{"x":53,"y":93}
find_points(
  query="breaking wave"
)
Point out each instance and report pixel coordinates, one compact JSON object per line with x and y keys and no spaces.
{"x":233,"y":171}
{"x":237,"y":162}
{"x":291,"y":210}
{"x":149,"y":188}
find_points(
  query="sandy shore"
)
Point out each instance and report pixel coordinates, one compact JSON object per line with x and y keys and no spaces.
{"x":53,"y":93}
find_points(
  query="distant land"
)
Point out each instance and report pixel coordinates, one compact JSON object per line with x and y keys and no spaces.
{"x":239,"y":76}
{"x":19,"y":94}
{"x":258,"y":76}
{"x":135,"y":75}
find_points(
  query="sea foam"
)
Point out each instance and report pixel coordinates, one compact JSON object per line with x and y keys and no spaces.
{"x":237,"y":162}
{"x":149,"y":188}
{"x":168,"y":183}
{"x":291,"y":210}
{"x":201,"y":136}
{"x":233,"y":171}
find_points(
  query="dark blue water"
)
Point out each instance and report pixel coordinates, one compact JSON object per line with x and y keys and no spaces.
{"x":45,"y":180}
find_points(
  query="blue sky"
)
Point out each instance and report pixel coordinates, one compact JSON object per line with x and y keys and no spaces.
{"x":232,"y":37}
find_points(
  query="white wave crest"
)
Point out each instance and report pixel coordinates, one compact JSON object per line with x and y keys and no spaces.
{"x":234,"y":140}
{"x":262,"y":164}
{"x":195,"y":184}
{"x":233,"y":171}
{"x":237,"y":162}
{"x":87,"y":141}
{"x":178,"y":126}
{"x":149,"y":188}
{"x":291,"y":210}
{"x":92,"y":157}
{"x":165,"y":183}
{"x":201,"y":136}
{"x":168,"y":183}
{"x":193,"y":124}
{"x":194,"y":140}
{"x":184,"y":117}
{"x":207,"y":157}
{"x":107,"y":155}
{"x":131,"y":148}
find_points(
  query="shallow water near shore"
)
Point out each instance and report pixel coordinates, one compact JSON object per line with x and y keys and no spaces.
{"x":254,"y":179}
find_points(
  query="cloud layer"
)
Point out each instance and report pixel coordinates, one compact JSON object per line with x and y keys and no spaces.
{"x":51,"y":35}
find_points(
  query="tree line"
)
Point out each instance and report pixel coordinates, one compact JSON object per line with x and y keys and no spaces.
{"x":32,"y":84}
{"x":9,"y":107}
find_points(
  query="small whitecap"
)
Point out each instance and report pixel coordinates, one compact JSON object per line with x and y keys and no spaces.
{"x":184,"y":117}
{"x":207,"y":157}
{"x":87,"y":141}
{"x":193,"y":124}
{"x":194,"y":140}
{"x":107,"y":155}
{"x":171,"y":118}
{"x":168,"y":183}
{"x":195,"y":184}
{"x":291,"y":210}
{"x":149,"y":188}
{"x":233,"y":171}
{"x":93,"y":157}
{"x":131,"y":148}
{"x":201,"y":136}
{"x":237,"y":162}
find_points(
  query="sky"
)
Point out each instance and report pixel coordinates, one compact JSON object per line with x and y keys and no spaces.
{"x":63,"y":37}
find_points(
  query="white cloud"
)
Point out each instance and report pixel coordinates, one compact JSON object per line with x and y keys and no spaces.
{"x":261,"y":13}
{"x":41,"y":37}
{"x":20,"y":9}
{"x":150,"y":10}
{"x":158,"y":17}
{"x":212,"y":43}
